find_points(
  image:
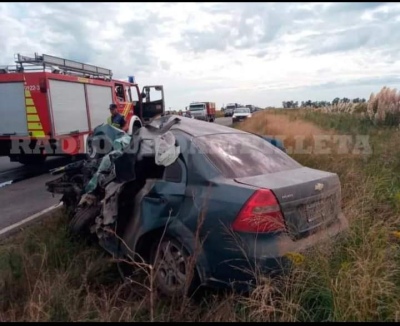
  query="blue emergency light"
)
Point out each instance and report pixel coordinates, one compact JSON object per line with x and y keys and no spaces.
{"x":131,"y":79}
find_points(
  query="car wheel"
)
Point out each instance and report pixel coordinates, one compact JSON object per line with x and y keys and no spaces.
{"x":82,"y":219}
{"x":173,"y":275}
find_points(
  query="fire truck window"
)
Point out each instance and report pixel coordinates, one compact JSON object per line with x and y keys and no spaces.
{"x":128,"y":98}
{"x":119,"y":92}
{"x":134,"y":94}
{"x":155,"y":95}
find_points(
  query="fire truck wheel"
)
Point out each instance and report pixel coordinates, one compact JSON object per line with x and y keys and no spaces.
{"x":32,"y":159}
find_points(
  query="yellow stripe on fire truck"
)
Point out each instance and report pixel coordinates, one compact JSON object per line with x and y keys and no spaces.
{"x":35,"y":128}
{"x":126,"y":110}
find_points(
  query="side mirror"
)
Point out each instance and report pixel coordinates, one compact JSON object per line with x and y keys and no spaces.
{"x":143,"y":95}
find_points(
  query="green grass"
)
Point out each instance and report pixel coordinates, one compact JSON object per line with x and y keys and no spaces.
{"x":344,"y":122}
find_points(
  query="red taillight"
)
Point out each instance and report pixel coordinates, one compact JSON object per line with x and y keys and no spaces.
{"x":260,"y":214}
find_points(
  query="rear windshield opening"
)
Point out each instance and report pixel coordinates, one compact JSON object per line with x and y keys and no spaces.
{"x":244,"y":155}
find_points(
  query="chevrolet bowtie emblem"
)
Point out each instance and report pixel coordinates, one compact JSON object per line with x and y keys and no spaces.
{"x":319,"y":186}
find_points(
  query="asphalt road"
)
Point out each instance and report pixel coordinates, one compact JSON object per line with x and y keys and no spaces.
{"x":224,"y":121}
{"x":6,"y":165}
{"x":28,"y":195}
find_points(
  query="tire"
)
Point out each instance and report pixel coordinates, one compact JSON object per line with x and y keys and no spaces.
{"x":82,"y":218}
{"x":177,"y":284}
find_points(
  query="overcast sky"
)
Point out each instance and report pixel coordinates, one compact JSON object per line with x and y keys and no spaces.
{"x":251,"y":53}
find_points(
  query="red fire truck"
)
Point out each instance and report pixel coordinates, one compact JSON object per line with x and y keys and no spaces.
{"x":49,"y":106}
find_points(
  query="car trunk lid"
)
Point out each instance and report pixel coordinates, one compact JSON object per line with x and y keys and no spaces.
{"x":309,"y":199}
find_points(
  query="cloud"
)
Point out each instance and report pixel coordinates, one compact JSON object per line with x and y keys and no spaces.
{"x":252,"y":53}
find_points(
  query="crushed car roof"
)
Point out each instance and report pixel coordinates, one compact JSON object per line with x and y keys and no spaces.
{"x":195,"y":127}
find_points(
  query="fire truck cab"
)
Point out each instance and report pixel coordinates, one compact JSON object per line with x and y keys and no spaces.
{"x":49,"y":106}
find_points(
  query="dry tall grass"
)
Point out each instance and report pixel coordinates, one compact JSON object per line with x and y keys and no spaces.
{"x":219,"y":114}
{"x":382,"y":108}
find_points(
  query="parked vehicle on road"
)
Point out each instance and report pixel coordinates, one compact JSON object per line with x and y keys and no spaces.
{"x":229,"y":108}
{"x":203,"y":111}
{"x":183,"y":190}
{"x":240,"y":114}
{"x":251,"y":107}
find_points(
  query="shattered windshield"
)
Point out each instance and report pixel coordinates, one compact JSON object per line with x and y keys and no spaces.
{"x":244,"y":155}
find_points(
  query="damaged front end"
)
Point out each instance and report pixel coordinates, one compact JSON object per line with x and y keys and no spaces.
{"x":91,"y":188}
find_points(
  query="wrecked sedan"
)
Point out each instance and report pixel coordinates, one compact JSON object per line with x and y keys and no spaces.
{"x":181,"y":190}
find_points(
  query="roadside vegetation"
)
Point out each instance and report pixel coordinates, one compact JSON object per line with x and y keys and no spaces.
{"x":219,"y":114}
{"x":45,"y":275}
{"x":382,"y":108}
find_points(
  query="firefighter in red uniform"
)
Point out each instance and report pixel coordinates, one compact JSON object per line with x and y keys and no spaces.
{"x":116,"y":119}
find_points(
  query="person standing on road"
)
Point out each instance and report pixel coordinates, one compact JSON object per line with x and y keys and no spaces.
{"x":116,"y":119}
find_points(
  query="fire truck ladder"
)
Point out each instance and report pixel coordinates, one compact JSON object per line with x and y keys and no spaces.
{"x":59,"y":64}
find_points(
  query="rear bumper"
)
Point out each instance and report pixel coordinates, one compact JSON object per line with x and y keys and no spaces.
{"x":270,"y":255}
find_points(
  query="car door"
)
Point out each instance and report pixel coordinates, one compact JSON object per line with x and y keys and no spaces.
{"x":153,"y":102}
{"x":165,"y":197}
